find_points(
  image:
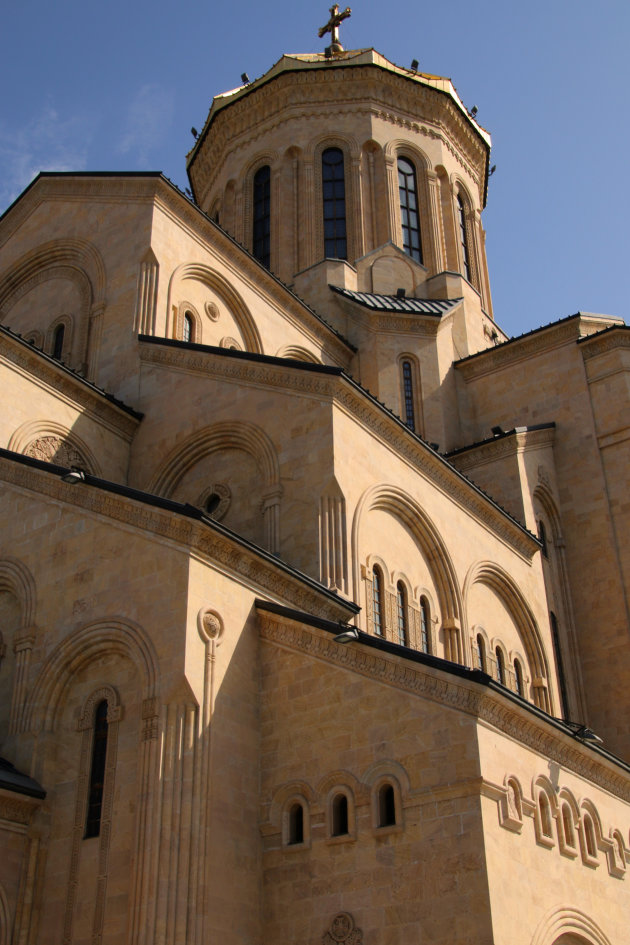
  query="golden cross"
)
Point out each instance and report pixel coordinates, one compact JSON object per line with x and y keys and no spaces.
{"x":332,"y":26}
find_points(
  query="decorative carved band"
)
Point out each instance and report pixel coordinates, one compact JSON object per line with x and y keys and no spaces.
{"x":432,"y":684}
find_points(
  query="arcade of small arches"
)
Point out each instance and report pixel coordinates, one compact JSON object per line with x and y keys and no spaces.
{"x":381,"y":791}
{"x":394,"y":612}
{"x":494,"y":659}
{"x":364,"y":197}
{"x":561,"y":821}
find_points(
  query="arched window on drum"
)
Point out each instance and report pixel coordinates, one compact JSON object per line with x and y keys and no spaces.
{"x":409,"y":210}
{"x":334,"y":204}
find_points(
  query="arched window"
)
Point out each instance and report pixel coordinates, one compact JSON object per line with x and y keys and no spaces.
{"x":408,"y":393}
{"x":481,"y":653}
{"x":425,"y":623}
{"x":296,"y":824}
{"x":545,"y":814}
{"x":401,"y":597}
{"x":262,"y":215}
{"x":58,"y":336}
{"x":500,"y":666}
{"x":377,"y":600}
{"x":97,"y":771}
{"x":567,"y":826}
{"x":386,"y":806}
{"x":334,"y":197}
{"x":463,"y":237}
{"x":188,"y":327}
{"x":589,"y":836}
{"x":409,"y":218}
{"x":542,"y":535}
{"x":518,"y":678}
{"x":555,"y":639}
{"x":339,"y":815}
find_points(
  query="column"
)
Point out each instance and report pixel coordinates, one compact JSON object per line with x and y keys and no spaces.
{"x":435,"y":218}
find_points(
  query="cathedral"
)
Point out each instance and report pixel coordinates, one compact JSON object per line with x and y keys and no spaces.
{"x":314,"y":617}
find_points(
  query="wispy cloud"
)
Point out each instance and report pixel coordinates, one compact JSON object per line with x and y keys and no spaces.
{"x":149,"y":116}
{"x":48,"y":142}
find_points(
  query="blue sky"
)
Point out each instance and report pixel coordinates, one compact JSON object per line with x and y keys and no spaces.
{"x":118,"y":86}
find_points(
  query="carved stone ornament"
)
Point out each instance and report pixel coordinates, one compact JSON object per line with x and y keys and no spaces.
{"x":543,"y":476}
{"x":343,"y":929}
{"x":210,"y":625}
{"x":52,"y":449}
{"x":212,"y":311}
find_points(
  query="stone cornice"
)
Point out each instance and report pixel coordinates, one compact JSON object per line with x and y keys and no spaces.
{"x":236,"y":556}
{"x":62,"y":383}
{"x":362,"y":407}
{"x":426,"y":326}
{"x":529,"y":728}
{"x":365,"y":89}
{"x":532,"y":344}
{"x":17,"y":810}
{"x":618,"y":336}
{"x":510,"y":444}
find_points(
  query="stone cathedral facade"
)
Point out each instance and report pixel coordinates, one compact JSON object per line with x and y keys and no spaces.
{"x":313,"y":584}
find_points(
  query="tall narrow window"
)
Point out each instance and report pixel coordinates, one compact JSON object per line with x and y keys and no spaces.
{"x":401,"y":596}
{"x":410,"y":221}
{"x":500,"y":666}
{"x":339,"y":815}
{"x":567,"y":826}
{"x":262,"y":215}
{"x":188,"y":328}
{"x":518,"y":677}
{"x":377,"y":600}
{"x":542,"y":535}
{"x":334,"y":195}
{"x":589,"y":836}
{"x":97,"y":771}
{"x":386,"y":806}
{"x":463,"y":237}
{"x":58,"y":341}
{"x":296,"y":824}
{"x":555,"y":639}
{"x":407,"y":373}
{"x":545,"y":814}
{"x":425,"y":617}
{"x":481,"y":653}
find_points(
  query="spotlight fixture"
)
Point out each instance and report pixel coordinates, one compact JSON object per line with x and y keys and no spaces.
{"x":73,"y":476}
{"x":414,"y":65}
{"x":497,"y":431}
{"x":245,"y":78}
{"x":400,"y":293}
{"x":492,"y":170}
{"x":328,"y":52}
{"x":194,"y":132}
{"x":584,"y":733}
{"x":347,"y":635}
{"x":474,"y":110}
